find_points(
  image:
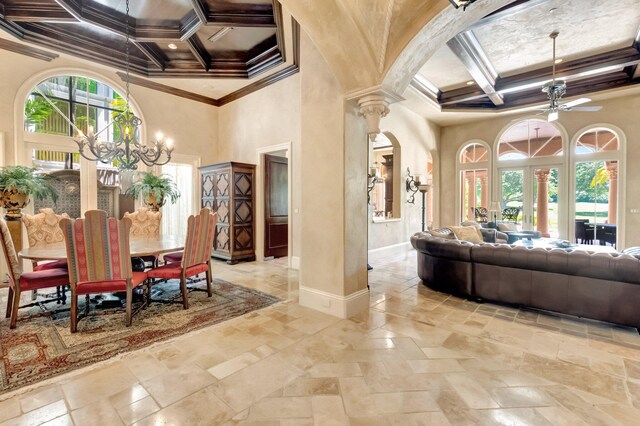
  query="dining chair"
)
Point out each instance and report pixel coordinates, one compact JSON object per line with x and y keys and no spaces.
{"x":43,"y":229}
{"x":196,"y":257}
{"x":25,"y":281}
{"x":145,"y":224}
{"x":584,"y":233}
{"x":99,"y":259}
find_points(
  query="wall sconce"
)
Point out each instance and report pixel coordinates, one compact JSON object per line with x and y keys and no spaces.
{"x":373,"y":177}
{"x":412,"y":184}
{"x":462,"y":3}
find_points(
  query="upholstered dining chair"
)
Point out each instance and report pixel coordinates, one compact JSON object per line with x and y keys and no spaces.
{"x":144,"y":224}
{"x":99,"y":259}
{"x":196,"y":257}
{"x":27,"y":281}
{"x":43,"y":229}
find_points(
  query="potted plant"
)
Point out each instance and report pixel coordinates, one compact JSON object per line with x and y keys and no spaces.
{"x":18,"y":183}
{"x":154,"y":190}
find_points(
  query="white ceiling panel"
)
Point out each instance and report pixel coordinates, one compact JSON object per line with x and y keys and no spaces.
{"x":445,"y":70}
{"x":521,"y":42}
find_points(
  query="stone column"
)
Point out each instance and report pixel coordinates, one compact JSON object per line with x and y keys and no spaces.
{"x":542,"y":202}
{"x":483,"y":191}
{"x":612,"y":170}
{"x":471,"y":195}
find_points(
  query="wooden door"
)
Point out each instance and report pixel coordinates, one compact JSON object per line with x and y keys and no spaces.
{"x":276,"y":205}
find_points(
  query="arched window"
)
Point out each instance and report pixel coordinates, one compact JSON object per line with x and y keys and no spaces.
{"x":57,"y":108}
{"x":597,"y":167}
{"x":473,"y":166}
{"x":82,"y":101}
{"x":385,"y":196}
{"x":531,"y":138}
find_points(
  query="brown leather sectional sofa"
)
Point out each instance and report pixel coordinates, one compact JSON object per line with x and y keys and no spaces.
{"x":600,"y":286}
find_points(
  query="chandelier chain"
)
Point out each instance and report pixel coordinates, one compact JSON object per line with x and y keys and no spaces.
{"x":127,"y":53}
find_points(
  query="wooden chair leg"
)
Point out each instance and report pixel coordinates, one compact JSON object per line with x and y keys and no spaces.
{"x":209,"y":280}
{"x":183,"y":290}
{"x":9,"y":302}
{"x":74,"y":312}
{"x":129,"y":302}
{"x":14,"y":308}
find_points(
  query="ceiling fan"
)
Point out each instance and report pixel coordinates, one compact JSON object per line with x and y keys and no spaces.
{"x":555,"y":90}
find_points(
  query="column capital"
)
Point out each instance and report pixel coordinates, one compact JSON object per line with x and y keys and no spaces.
{"x":543,"y":175}
{"x":612,"y":170}
{"x":374,"y":106}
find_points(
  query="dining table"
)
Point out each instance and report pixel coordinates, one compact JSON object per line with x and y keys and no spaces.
{"x":139,"y":247}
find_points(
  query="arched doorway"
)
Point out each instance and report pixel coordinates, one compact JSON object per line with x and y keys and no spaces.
{"x":474,"y":165}
{"x":530,"y":175}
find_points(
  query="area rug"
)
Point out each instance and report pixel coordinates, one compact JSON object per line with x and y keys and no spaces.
{"x":42,"y":346}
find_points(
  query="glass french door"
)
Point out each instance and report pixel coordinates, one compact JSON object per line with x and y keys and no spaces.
{"x":534,"y":192}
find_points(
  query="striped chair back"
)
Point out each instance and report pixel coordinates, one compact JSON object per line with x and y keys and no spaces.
{"x":97,"y":247}
{"x":200,"y":232}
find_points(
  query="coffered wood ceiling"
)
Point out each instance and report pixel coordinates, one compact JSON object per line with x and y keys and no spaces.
{"x":95,"y":30}
{"x":502,"y":61}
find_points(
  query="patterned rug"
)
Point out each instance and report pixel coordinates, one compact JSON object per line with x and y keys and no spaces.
{"x":42,"y":346}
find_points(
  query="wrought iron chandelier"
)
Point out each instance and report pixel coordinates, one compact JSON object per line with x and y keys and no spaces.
{"x":126,"y":147}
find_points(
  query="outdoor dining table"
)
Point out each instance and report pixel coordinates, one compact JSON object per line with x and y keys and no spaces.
{"x":139,"y":247}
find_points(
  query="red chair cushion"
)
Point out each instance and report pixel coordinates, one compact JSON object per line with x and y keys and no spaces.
{"x":173,"y":270}
{"x":44,"y":279}
{"x":56,"y":264}
{"x":93,"y":287}
{"x":173,"y":257}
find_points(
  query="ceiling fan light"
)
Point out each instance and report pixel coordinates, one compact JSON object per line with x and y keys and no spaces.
{"x":553,"y":116}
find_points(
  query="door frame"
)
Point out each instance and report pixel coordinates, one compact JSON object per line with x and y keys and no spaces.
{"x":528,"y":169}
{"x":259,"y":210}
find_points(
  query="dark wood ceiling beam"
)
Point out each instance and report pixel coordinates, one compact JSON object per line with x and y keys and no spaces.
{"x":138,"y":81}
{"x":201,"y":9}
{"x":11,"y":28}
{"x":241,"y":20}
{"x":190,"y":25}
{"x":198,"y":50}
{"x":23,"y":49}
{"x":37,"y":11}
{"x":536,"y":96}
{"x":153,"y":53}
{"x":466,"y":47}
{"x":573,"y":69}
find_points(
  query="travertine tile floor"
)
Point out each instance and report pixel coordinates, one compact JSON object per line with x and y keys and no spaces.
{"x":417,"y":357}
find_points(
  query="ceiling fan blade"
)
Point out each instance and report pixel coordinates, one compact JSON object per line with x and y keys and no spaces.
{"x":577,"y":102}
{"x":586,"y":108}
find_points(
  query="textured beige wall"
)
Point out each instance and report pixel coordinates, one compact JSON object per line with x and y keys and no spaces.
{"x":418,"y":140}
{"x":621,"y":112}
{"x":192,"y":125}
{"x":268,"y":117}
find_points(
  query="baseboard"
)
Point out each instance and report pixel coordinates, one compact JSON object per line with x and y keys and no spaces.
{"x":387,"y":251}
{"x":333,"y":304}
{"x":295,"y":262}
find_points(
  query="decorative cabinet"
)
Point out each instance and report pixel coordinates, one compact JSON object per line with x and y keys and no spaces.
{"x":228,"y":188}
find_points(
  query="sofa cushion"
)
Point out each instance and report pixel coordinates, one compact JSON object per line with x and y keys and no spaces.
{"x":467,"y":233}
{"x":443,"y":233}
{"x":508,"y":227}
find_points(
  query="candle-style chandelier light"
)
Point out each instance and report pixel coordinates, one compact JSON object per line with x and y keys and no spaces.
{"x":126,"y":148}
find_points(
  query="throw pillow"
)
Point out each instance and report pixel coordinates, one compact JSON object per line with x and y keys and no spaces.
{"x":443,"y":233}
{"x":467,"y":233}
{"x":471,"y":223}
{"x":508,"y":227}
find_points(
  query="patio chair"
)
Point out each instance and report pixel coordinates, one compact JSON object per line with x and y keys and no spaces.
{"x":27,"y":281}
{"x":584,"y":234}
{"x":510,"y":214}
{"x":196,"y":257}
{"x":481,"y":214}
{"x":99,"y":259}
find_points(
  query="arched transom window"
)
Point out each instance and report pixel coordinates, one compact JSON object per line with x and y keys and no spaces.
{"x":599,"y":139}
{"x":530,"y":139}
